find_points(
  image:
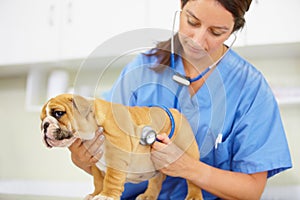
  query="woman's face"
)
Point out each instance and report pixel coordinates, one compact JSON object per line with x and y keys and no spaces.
{"x":204,"y":26}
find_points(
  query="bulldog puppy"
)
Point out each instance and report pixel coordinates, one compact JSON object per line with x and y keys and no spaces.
{"x":67,"y":117}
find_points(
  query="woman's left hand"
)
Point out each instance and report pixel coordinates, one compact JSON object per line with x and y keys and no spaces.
{"x":169,"y":158}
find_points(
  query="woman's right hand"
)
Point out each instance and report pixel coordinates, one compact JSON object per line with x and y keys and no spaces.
{"x":84,"y":154}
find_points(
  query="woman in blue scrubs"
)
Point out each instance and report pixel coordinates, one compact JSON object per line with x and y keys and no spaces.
{"x":231,"y":109}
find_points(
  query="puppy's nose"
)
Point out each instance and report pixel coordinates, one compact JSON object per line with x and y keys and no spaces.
{"x":45,"y":126}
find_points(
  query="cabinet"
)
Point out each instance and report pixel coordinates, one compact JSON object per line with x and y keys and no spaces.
{"x":160,"y":13}
{"x":50,"y":32}
{"x":29,"y":31}
{"x":267,"y":21}
{"x":37,"y":31}
{"x":270,"y":21}
{"x":87,"y":24}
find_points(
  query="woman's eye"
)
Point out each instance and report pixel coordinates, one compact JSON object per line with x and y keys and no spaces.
{"x":216,"y":33}
{"x":192,"y":22}
{"x":58,"y":114}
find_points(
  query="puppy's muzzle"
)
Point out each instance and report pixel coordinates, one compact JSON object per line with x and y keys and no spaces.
{"x":45,"y":127}
{"x":53,"y":135}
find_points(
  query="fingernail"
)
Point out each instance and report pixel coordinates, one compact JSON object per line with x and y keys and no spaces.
{"x":100,"y":151}
{"x":101,"y":137}
{"x":100,"y":129}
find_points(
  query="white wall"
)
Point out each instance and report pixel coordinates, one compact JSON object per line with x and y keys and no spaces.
{"x":285,"y":72}
{"x":282,"y":70}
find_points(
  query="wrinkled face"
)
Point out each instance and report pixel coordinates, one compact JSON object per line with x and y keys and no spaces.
{"x":56,"y":124}
{"x":63,"y":121}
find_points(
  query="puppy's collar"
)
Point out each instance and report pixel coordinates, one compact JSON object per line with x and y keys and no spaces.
{"x":167,"y":110}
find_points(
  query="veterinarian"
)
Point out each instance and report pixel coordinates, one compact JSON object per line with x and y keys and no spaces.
{"x":230,"y":107}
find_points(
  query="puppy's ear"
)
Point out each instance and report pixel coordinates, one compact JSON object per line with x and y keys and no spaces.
{"x":82,"y":105}
{"x":43,"y":111}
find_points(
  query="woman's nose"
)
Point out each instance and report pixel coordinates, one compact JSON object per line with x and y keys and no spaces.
{"x":200,"y":37}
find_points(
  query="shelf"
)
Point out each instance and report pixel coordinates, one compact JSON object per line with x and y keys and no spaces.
{"x":287,"y":96}
{"x":73,"y":65}
{"x":272,"y":51}
{"x":284,"y":50}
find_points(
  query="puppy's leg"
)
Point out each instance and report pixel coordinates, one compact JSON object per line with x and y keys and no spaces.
{"x":113,"y":184}
{"x":194,"y":192}
{"x":98,"y":182}
{"x":153,"y":189}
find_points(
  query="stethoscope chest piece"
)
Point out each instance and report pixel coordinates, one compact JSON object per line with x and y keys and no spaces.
{"x":148,"y":136}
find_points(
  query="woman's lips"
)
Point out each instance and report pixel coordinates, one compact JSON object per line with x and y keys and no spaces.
{"x":196,"y":50}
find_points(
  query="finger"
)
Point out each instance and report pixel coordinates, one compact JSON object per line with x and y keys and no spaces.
{"x":96,"y":145}
{"x":76,"y":144}
{"x":166,"y":155}
{"x":159,"y":160}
{"x":99,"y":130}
{"x":164,"y":138}
{"x":158,"y":146}
{"x":94,"y":159}
{"x":89,"y":143}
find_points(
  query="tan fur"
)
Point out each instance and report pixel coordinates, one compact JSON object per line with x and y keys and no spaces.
{"x":125,"y":158}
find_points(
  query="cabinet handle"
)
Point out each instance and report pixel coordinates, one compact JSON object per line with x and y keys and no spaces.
{"x":69,"y":12}
{"x":51,"y":15}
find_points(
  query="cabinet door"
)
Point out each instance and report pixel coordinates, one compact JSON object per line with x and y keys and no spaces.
{"x":270,"y":21}
{"x":161,"y":13}
{"x":28,"y":30}
{"x":87,"y":24}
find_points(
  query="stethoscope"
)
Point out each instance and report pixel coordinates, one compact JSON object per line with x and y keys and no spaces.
{"x":148,"y":135}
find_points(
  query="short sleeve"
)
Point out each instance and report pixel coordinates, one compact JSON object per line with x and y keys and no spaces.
{"x":260,"y":142}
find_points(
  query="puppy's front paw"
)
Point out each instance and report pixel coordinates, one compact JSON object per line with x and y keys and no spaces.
{"x":88,"y":197}
{"x":195,"y":197}
{"x":101,"y":197}
{"x":146,"y":197}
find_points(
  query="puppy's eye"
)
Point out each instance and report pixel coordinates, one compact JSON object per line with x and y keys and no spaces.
{"x":58,"y":114}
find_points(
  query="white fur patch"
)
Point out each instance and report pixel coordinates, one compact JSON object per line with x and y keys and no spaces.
{"x":48,"y":109}
{"x":101,"y":197}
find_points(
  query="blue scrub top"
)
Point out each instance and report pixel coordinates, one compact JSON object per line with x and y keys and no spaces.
{"x":235,"y":106}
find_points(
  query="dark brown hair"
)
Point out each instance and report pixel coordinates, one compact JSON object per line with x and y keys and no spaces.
{"x":237,"y":8}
